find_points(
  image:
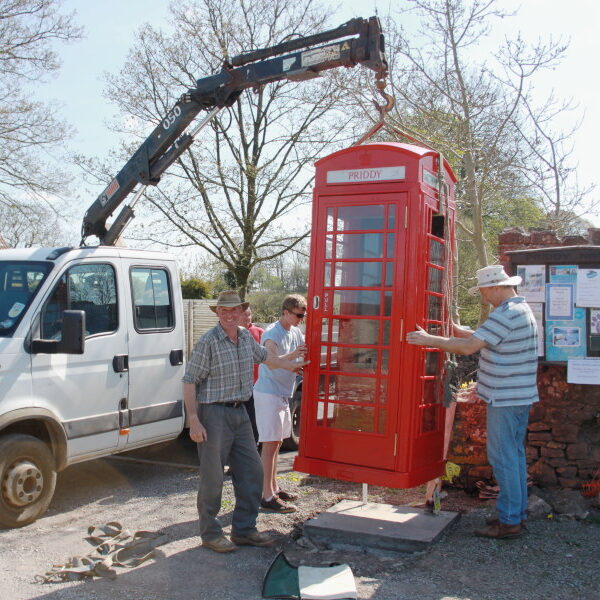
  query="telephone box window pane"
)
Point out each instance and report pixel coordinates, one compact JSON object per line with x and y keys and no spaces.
{"x":353,"y":418}
{"x":389,"y":274}
{"x":354,"y":360}
{"x":434,"y":308}
{"x":335,"y":330}
{"x":325,"y":330}
{"x":429,"y":391}
{"x":358,"y":274}
{"x":383,"y":387}
{"x":429,"y":418}
{"x":330,"y":219}
{"x":327,"y":275}
{"x":436,"y":278}
{"x":385,"y":340}
{"x":387,"y":304}
{"x":436,"y":252}
{"x":432,"y":363}
{"x":359,"y":245}
{"x":321,"y":414}
{"x":322,"y":386}
{"x":390,"y":245}
{"x":352,"y":389}
{"x":328,"y":246}
{"x":392,"y":217}
{"x":357,"y":218}
{"x":384,"y":361}
{"x":357,"y":302}
{"x":382,"y":420}
{"x":356,"y":331}
{"x":324,"y":360}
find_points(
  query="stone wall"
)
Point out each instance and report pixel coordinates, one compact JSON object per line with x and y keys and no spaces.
{"x":563,"y":441}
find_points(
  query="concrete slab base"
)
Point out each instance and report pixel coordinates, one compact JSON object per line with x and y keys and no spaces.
{"x":384,"y":526}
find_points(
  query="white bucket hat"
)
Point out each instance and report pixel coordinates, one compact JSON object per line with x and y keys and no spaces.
{"x":493,"y":275}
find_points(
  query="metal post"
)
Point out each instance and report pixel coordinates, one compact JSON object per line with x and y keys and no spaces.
{"x":365,"y":493}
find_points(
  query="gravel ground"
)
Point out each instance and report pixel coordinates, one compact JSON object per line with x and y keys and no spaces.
{"x":557,"y":559}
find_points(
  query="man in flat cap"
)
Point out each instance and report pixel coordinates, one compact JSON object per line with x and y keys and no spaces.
{"x":217,"y":381}
{"x":506,"y":381}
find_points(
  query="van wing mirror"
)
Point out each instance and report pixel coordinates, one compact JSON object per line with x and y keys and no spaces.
{"x":72,"y":336}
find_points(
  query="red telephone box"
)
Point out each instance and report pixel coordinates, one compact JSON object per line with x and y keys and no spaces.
{"x":381,"y":256}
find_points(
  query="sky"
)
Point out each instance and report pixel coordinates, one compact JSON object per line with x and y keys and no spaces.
{"x":110,"y":26}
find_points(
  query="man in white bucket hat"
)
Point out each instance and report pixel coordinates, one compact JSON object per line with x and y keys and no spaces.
{"x":217,"y":383}
{"x":507,"y":382}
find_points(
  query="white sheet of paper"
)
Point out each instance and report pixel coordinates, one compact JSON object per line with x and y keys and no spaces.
{"x":326,"y":583}
{"x":588,"y":287}
{"x":533,"y":287}
{"x":537,"y":308}
{"x":560,"y":302}
{"x":585,"y":371}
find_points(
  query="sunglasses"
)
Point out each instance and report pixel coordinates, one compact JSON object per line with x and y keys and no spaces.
{"x":298,"y":315}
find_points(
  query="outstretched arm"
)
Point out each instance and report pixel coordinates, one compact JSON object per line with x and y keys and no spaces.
{"x":456,"y":345}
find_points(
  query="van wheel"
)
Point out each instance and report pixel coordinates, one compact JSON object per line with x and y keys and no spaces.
{"x":293,"y":441}
{"x":27,"y":479}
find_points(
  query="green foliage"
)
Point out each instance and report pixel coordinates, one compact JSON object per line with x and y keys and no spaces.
{"x":502,"y":213}
{"x":266,"y":306}
{"x":195,"y":288}
{"x":510,"y":212}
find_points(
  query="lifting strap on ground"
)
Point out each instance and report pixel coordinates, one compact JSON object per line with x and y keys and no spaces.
{"x":113,"y":547}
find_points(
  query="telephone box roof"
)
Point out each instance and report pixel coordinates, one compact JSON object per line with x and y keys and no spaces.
{"x":402,"y":148}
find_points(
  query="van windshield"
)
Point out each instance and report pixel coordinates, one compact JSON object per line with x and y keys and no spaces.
{"x":19,"y":283}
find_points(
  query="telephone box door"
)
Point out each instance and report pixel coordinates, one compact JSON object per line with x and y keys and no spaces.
{"x":354,"y":279}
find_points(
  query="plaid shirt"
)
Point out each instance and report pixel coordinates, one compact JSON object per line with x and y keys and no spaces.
{"x":221,"y":369}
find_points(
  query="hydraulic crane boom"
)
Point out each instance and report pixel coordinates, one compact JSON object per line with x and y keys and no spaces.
{"x":361,"y":42}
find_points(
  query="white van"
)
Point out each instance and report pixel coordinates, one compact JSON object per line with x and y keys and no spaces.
{"x":91,"y":361}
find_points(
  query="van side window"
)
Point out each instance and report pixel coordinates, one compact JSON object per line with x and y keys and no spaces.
{"x":88,"y":287}
{"x":152,"y":302}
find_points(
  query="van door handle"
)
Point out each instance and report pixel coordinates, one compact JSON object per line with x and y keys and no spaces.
{"x":121,"y":363}
{"x":176,"y":357}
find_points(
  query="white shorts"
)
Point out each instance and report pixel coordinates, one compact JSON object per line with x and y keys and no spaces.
{"x":273,"y":418}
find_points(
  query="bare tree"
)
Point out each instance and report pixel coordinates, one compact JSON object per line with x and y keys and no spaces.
{"x":232,"y":194}
{"x":470,"y":109}
{"x":475,"y":108}
{"x":29,"y":30}
{"x":26,"y":226}
{"x":550,"y":170}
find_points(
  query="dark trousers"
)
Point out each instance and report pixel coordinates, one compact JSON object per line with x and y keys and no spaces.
{"x":229,"y":441}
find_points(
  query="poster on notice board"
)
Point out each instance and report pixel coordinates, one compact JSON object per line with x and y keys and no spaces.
{"x":562,"y":274}
{"x":566,"y":339}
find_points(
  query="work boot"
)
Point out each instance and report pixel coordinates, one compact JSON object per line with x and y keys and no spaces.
{"x":254,"y":538}
{"x":495,"y":520}
{"x":220,"y":544}
{"x":500,"y":531}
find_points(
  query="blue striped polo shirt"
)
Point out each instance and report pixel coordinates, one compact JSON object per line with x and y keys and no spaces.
{"x":507,"y":374}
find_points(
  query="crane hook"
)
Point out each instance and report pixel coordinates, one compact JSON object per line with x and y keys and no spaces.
{"x":383,"y":110}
